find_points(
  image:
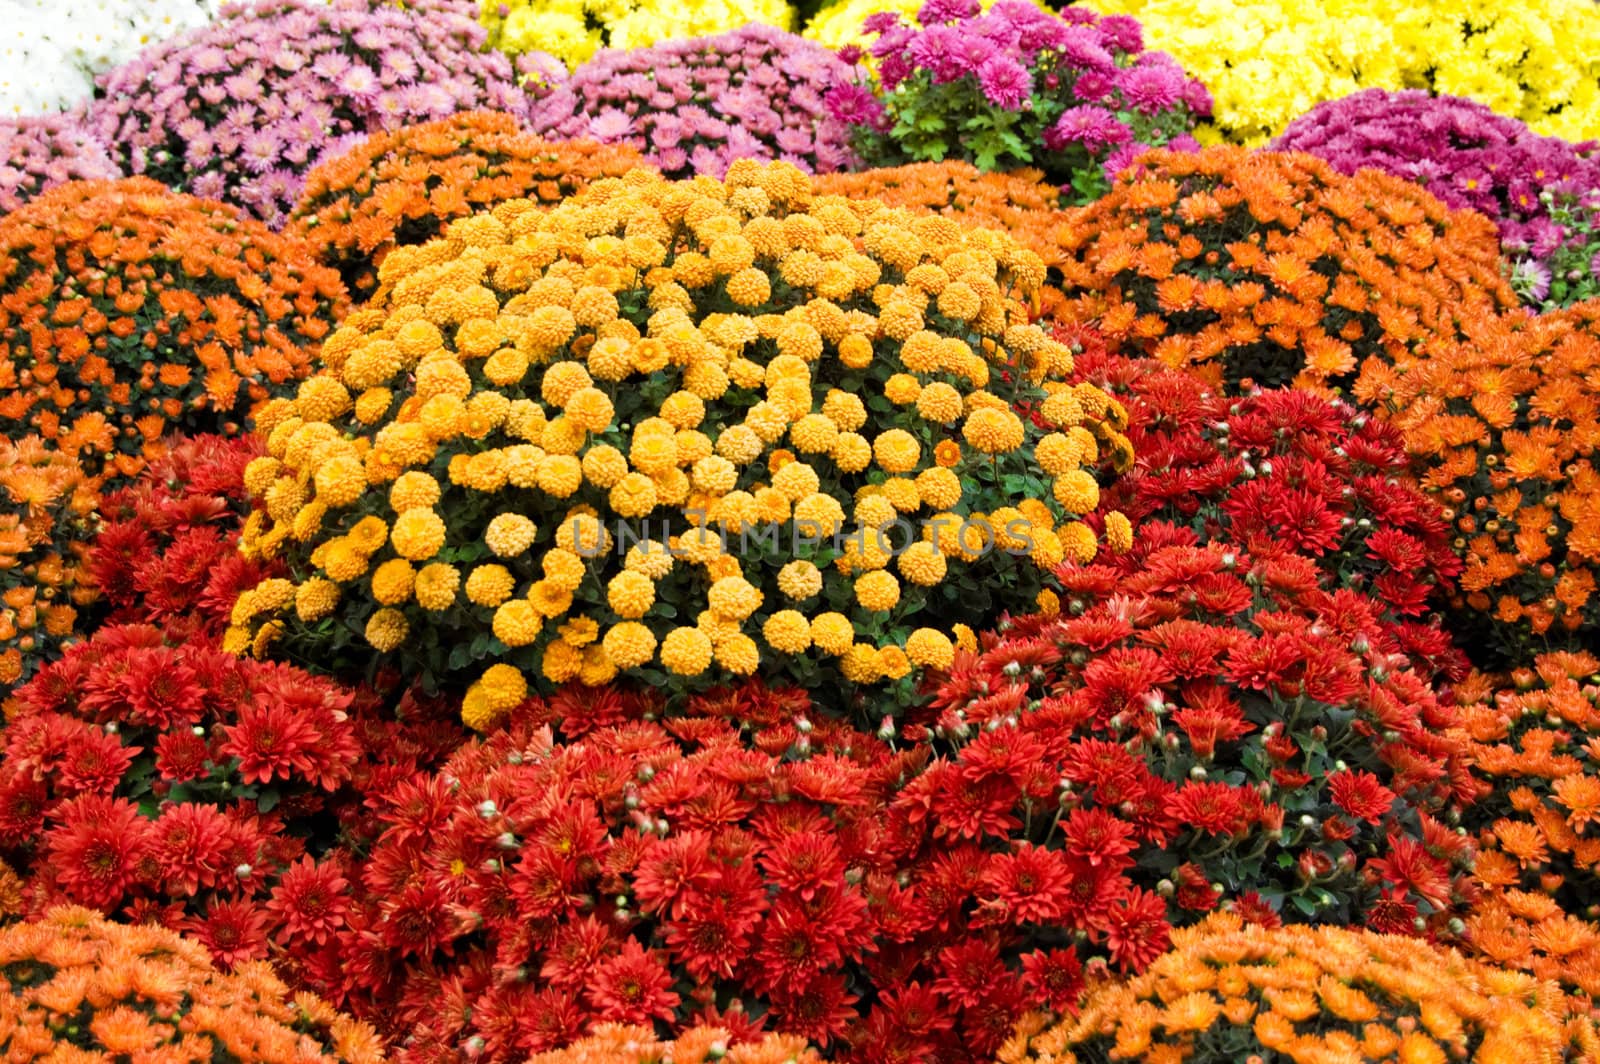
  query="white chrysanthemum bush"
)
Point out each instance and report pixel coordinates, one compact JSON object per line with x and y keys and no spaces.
{"x":685,"y":432}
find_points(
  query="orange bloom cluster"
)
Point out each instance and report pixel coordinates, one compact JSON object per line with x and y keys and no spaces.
{"x":47,"y":516}
{"x":619,"y":1044}
{"x":1275,"y":268}
{"x":1534,"y":745}
{"x":1020,"y":203}
{"x":404,"y":186}
{"x":1508,"y":424}
{"x":80,"y":988}
{"x":1228,"y":991}
{"x":129,"y":310}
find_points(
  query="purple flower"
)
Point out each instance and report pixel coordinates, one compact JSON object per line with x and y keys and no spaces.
{"x":1122,"y":158}
{"x":37,"y":153}
{"x":968,"y":53}
{"x":610,"y":126}
{"x":1530,"y":279}
{"x":1093,"y":86}
{"x":1088,"y":125}
{"x":855,"y":105}
{"x":1124,"y":32}
{"x":939,"y":12}
{"x":1081,"y":46}
{"x":1150,"y":90}
{"x":880,"y":22}
{"x":1004,"y":82}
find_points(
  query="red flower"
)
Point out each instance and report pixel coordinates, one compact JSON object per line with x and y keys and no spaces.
{"x":632,"y":987}
{"x":1054,"y":977}
{"x":234,"y":931}
{"x":1027,"y":886}
{"x":190,"y":843}
{"x":309,"y":901}
{"x":1210,"y":806}
{"x":1408,"y":864}
{"x":1361,"y":794}
{"x":819,"y":1009}
{"x":96,"y":847}
{"x":271,"y":741}
{"x":1136,"y":929}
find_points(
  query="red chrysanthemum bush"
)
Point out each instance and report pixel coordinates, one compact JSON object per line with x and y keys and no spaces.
{"x":1217,"y":727}
{"x":1287,"y":472}
{"x":404,"y":186}
{"x":1505,"y":427}
{"x":166,"y":553}
{"x":47,"y":516}
{"x":621,"y":1044}
{"x":1274,"y":267}
{"x":1534,"y":739}
{"x":79,"y":988}
{"x":154,"y":776}
{"x":130,"y":311}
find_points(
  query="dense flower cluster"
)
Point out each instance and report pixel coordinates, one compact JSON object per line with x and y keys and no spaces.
{"x":1469,"y":157}
{"x":155,"y":776}
{"x":1020,"y":203}
{"x":1231,"y":991}
{"x":573,"y":30}
{"x":1533,"y":746}
{"x":1505,"y":426}
{"x":77,"y":987}
{"x":694,"y":106}
{"x":37,"y":153}
{"x":1285,"y":472}
{"x":1219,"y":723}
{"x":1270,"y":61}
{"x":166,"y":549}
{"x":46,"y":520}
{"x":242,"y":109}
{"x":405,"y":186}
{"x":1570,"y":273}
{"x":620,"y":1044}
{"x":1276,"y":268}
{"x":130,"y":311}
{"x":1074,"y":95}
{"x":634,"y":433}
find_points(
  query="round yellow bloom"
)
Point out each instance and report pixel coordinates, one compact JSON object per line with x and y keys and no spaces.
{"x":877,"y":591}
{"x":715,"y":475}
{"x":749,"y":288}
{"x":734,"y":598}
{"x":897,"y":451}
{"x":993,"y":431}
{"x":931,"y":649}
{"x":340,"y":481}
{"x":799,"y":579}
{"x":392,"y":582}
{"x":902,"y":389}
{"x":563,"y":569}
{"x":499,"y":690}
{"x":549,"y":599}
{"x":1056,"y":454}
{"x":860,"y":664}
{"x":631,"y":594}
{"x":845,"y":410}
{"x":1077,"y":492}
{"x":686,"y":651}
{"x":436,"y":585}
{"x":832,"y":633}
{"x":818,"y":515}
{"x":413,"y":490}
{"x":797,"y":480}
{"x":1118,"y":532}
{"x":633,"y":496}
{"x":855,"y":351}
{"x":814,"y":434}
{"x":418,"y":534}
{"x":938,"y":488}
{"x":1078,"y":543}
{"x":649,"y":558}
{"x":738,"y":654}
{"x":490,"y":585}
{"x":508,"y":535}
{"x":560,"y":475}
{"x":1048,"y":602}
{"x":892,"y":663}
{"x":562,"y":381}
{"x":875,"y":511}
{"x":604,"y":465}
{"x":852,"y":453}
{"x":684,"y":409}
{"x":788,"y":631}
{"x":315,"y":599}
{"x":940,"y":403}
{"x":517,"y":623}
{"x":372,"y":405}
{"x":387,"y":629}
{"x":629,"y":645}
{"x":739,"y":444}
{"x":902,"y":494}
{"x":589,"y":408}
{"x":921,"y":563}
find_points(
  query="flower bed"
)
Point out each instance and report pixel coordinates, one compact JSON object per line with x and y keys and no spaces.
{"x":37,"y":153}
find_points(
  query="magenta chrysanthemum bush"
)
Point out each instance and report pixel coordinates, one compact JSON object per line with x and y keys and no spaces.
{"x":1075,"y":95}
{"x":242,"y":109}
{"x":697,"y":105}
{"x":37,"y":153}
{"x":1467,"y":156}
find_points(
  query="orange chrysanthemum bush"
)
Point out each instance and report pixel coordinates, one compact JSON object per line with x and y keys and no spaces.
{"x":1234,"y":992}
{"x":80,"y":988}
{"x":47,"y":517}
{"x":614,"y":1043}
{"x":1276,"y":268}
{"x":679,"y":431}
{"x":1506,"y":428}
{"x":130,"y":311}
{"x":1535,"y":742}
{"x":404,"y":186}
{"x":1019,"y":202}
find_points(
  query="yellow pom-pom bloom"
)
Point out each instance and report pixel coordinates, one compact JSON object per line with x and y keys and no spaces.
{"x":686,"y":651}
{"x":392,"y":582}
{"x":1077,"y":492}
{"x":1118,"y":532}
{"x":993,"y":431}
{"x":490,"y":585}
{"x":922,"y":564}
{"x":931,"y":649}
{"x":387,"y":629}
{"x":418,"y":534}
{"x":629,"y":645}
{"x":877,"y":591}
{"x":832,"y":632}
{"x":732,"y":597}
{"x":517,"y":623}
{"x":436,"y":586}
{"x":799,"y":580}
{"x":509,"y":535}
{"x":788,"y":631}
{"x":631,"y":594}
{"x":501,"y":689}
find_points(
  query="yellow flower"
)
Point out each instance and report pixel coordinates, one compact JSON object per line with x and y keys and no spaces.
{"x":499,"y":690}
{"x":392,"y":582}
{"x":947,"y":454}
{"x":580,"y":631}
{"x":860,"y":664}
{"x":855,"y":351}
{"x":1077,"y":541}
{"x":649,"y":558}
{"x":508,"y":535}
{"x":851,"y":452}
{"x":315,"y":599}
{"x":560,"y":475}
{"x":938,"y":488}
{"x":413,"y":491}
{"x":563,"y":569}
{"x":387,"y":629}
{"x":686,"y":651}
{"x":921,"y":563}
{"x":738,"y":654}
{"x":589,"y":408}
{"x":931,"y":649}
{"x":436,"y":586}
{"x":877,"y":591}
{"x":549,"y":599}
{"x":340,"y":481}
{"x":1077,"y":492}
{"x":966,"y":639}
{"x":940,"y":403}
{"x":892,"y":663}
{"x":993,"y":431}
{"x":902,"y":389}
{"x":818,"y":515}
{"x":561,"y":662}
{"x":631,"y":594}
{"x":1118,"y":532}
{"x":814,"y":434}
{"x":788,"y":631}
{"x":633,"y":496}
{"x":734,"y":598}
{"x":490,"y":585}
{"x":603,"y":465}
{"x":517,"y":623}
{"x":799,"y":579}
{"x":896,"y":451}
{"x":1048,"y":602}
{"x":832,"y":633}
{"x":418,"y":534}
{"x":342,"y":562}
{"x":845,"y":410}
{"x":629,"y":645}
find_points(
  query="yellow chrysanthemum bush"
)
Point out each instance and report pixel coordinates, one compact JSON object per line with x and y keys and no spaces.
{"x":573,"y":30}
{"x":1228,"y":991}
{"x":683,"y":432}
{"x":1537,"y":61}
